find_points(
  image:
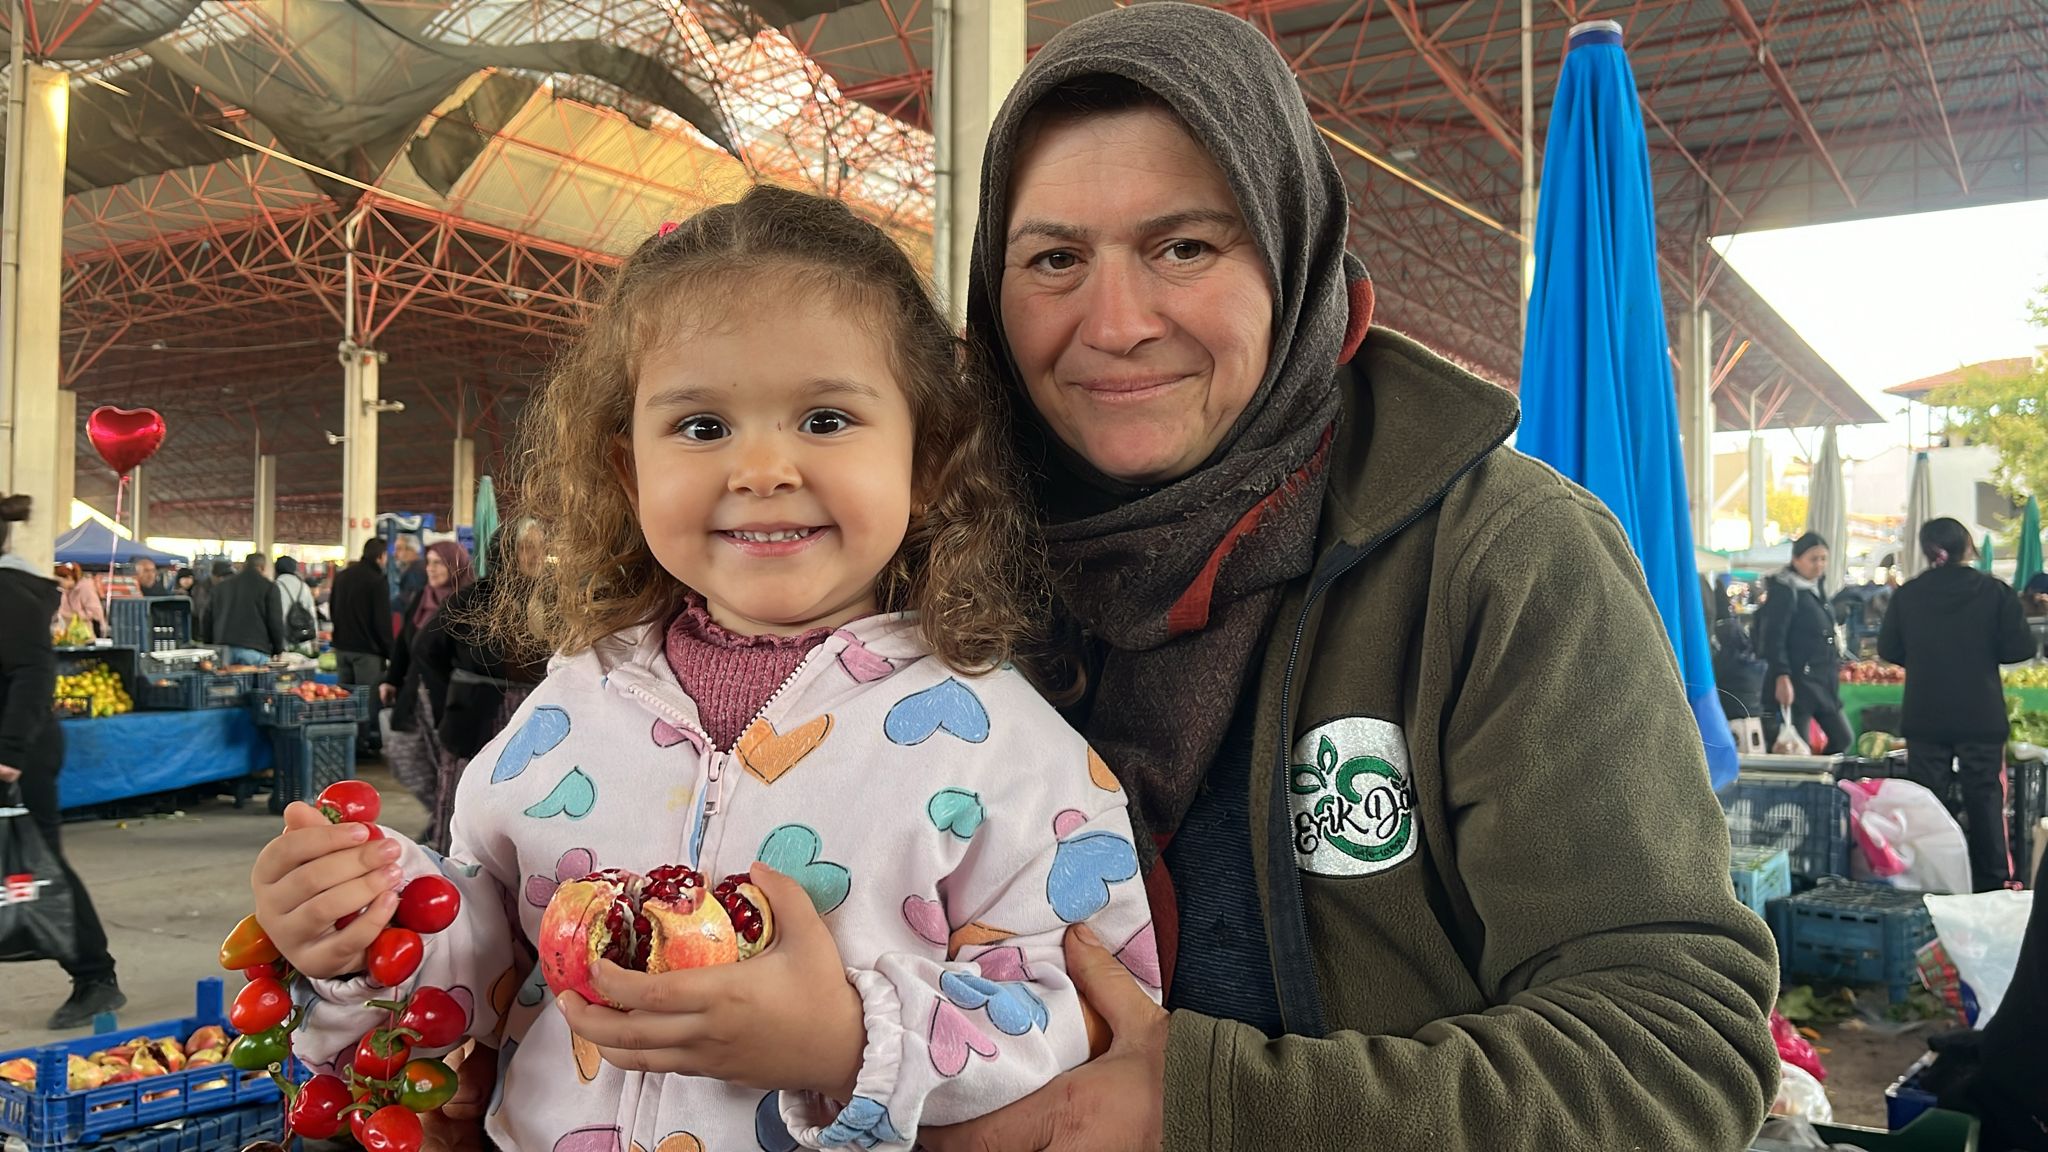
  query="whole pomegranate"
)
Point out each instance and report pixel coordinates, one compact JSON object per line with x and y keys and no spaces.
{"x":663,"y":921}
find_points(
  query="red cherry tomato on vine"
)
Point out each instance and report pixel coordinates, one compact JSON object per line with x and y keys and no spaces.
{"x":275,"y":969}
{"x":427,"y":904}
{"x":260,"y":1006}
{"x":392,"y":1129}
{"x":316,"y":1110}
{"x":394,"y":956}
{"x":356,"y":1120}
{"x":349,"y":802}
{"x":425,"y":1085}
{"x":436,"y":1016}
{"x":380,"y":1055}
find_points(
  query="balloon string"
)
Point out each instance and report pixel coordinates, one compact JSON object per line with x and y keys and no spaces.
{"x":113,"y":552}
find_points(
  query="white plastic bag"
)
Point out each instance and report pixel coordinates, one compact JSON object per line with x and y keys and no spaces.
{"x":1905,"y":837}
{"x":1800,"y":1095}
{"x":1981,"y":935}
{"x":1790,"y":742}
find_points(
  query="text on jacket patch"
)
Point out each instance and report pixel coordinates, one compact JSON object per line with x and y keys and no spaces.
{"x":1352,"y":800}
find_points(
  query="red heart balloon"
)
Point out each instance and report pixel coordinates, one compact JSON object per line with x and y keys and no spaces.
{"x":125,"y":437}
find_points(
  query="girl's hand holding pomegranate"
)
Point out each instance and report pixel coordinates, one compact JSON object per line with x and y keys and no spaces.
{"x":786,"y":1019}
{"x":316,"y":874}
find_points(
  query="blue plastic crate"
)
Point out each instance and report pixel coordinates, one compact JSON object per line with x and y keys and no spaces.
{"x":153,"y":625}
{"x":282,"y":708}
{"x":1846,"y":932}
{"x":51,"y":1118}
{"x":1809,"y":819}
{"x":1905,"y":1100}
{"x":309,"y":758}
{"x":1760,"y":875}
{"x":189,"y":691}
{"x":229,"y":1131}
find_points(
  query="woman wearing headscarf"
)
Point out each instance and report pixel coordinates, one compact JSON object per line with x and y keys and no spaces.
{"x":1416,"y":887}
{"x":486,"y":682}
{"x":32,"y":757}
{"x":1950,"y":628}
{"x":1796,"y":637}
{"x":411,"y":689}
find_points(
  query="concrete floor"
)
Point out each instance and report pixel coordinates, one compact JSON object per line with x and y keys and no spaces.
{"x":168,"y":888}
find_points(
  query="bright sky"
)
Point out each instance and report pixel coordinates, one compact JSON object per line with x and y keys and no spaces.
{"x":1891,"y":300}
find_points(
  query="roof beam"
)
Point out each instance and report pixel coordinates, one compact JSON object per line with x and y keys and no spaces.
{"x":1912,"y":8}
{"x":1775,"y":76}
{"x":1476,"y":100}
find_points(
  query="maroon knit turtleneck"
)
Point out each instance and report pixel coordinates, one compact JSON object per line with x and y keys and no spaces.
{"x":730,"y":676}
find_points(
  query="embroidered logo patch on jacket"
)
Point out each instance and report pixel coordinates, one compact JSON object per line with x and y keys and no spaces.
{"x":1352,"y":799}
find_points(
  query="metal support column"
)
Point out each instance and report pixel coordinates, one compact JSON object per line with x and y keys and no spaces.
{"x":31,"y":289}
{"x":65,"y":488}
{"x":1759,"y":487}
{"x":1696,"y":418}
{"x":265,"y":525}
{"x":138,"y":504}
{"x":462,"y":499}
{"x":360,"y":408}
{"x":1527,"y":221}
{"x":980,"y":46}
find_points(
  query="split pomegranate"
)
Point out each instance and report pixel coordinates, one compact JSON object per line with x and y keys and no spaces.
{"x":660,"y":922}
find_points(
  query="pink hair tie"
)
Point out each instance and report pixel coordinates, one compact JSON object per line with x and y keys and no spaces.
{"x":1941,"y":555}
{"x":667,"y":226}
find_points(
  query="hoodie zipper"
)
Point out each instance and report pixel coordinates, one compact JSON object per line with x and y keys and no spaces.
{"x":1294,"y":972}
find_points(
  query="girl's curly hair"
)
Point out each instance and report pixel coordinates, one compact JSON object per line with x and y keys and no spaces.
{"x":966,"y":566}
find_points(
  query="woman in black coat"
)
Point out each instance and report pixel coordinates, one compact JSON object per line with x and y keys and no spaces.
{"x":1950,"y":628}
{"x":1797,"y":640}
{"x":486,"y":681}
{"x":32,"y":755}
{"x":414,"y":692}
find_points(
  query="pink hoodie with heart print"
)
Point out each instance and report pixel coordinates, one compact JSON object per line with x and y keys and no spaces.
{"x":949,"y":827}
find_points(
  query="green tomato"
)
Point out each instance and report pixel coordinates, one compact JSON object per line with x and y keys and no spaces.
{"x":257,"y":1051}
{"x":424,"y":1085}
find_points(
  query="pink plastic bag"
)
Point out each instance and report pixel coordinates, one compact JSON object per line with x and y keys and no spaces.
{"x":1795,"y":1049}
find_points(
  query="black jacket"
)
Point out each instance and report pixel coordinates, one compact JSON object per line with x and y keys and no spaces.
{"x":360,"y":607}
{"x":1950,"y":628}
{"x":246,"y":612}
{"x":406,"y":671}
{"x":30,"y":738}
{"x":1795,"y":635}
{"x":476,"y":671}
{"x":1737,"y":671}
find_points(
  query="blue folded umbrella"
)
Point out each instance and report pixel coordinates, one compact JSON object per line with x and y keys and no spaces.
{"x":1598,"y":400}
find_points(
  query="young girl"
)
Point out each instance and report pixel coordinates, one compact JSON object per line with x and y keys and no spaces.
{"x":787,"y":574}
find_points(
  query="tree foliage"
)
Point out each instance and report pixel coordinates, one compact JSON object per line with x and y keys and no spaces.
{"x":2010,"y":415}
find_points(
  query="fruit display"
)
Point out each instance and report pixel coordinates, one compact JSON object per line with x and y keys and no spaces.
{"x":99,"y":684}
{"x":310,"y":692}
{"x":1872,"y":672}
{"x":384,"y":1087}
{"x":666,"y":920}
{"x":2026,"y":676}
{"x":137,"y":1059}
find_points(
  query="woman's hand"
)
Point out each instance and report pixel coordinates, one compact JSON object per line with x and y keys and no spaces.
{"x":388,"y":694}
{"x":1784,"y":691}
{"x":9,"y":775}
{"x":1116,"y":1103}
{"x":786,"y":1019}
{"x":458,"y":1125}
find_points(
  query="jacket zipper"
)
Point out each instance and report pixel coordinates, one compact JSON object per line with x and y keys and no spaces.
{"x":712,"y":805}
{"x":1294,"y":973}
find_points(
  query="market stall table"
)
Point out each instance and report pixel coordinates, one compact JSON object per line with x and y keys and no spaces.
{"x":1857,"y":697}
{"x":118,"y":757}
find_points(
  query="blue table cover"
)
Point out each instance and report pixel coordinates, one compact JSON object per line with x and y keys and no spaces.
{"x":117,"y":757}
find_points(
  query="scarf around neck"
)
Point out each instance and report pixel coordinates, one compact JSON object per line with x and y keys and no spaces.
{"x":1176,"y":585}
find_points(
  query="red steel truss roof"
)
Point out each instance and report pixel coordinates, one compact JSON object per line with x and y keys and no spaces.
{"x":213,"y":288}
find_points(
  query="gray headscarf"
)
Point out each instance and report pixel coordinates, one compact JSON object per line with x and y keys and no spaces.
{"x":1179,"y":582}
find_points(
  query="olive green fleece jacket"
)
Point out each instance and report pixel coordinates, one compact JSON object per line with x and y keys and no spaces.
{"x":1494,"y":874}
